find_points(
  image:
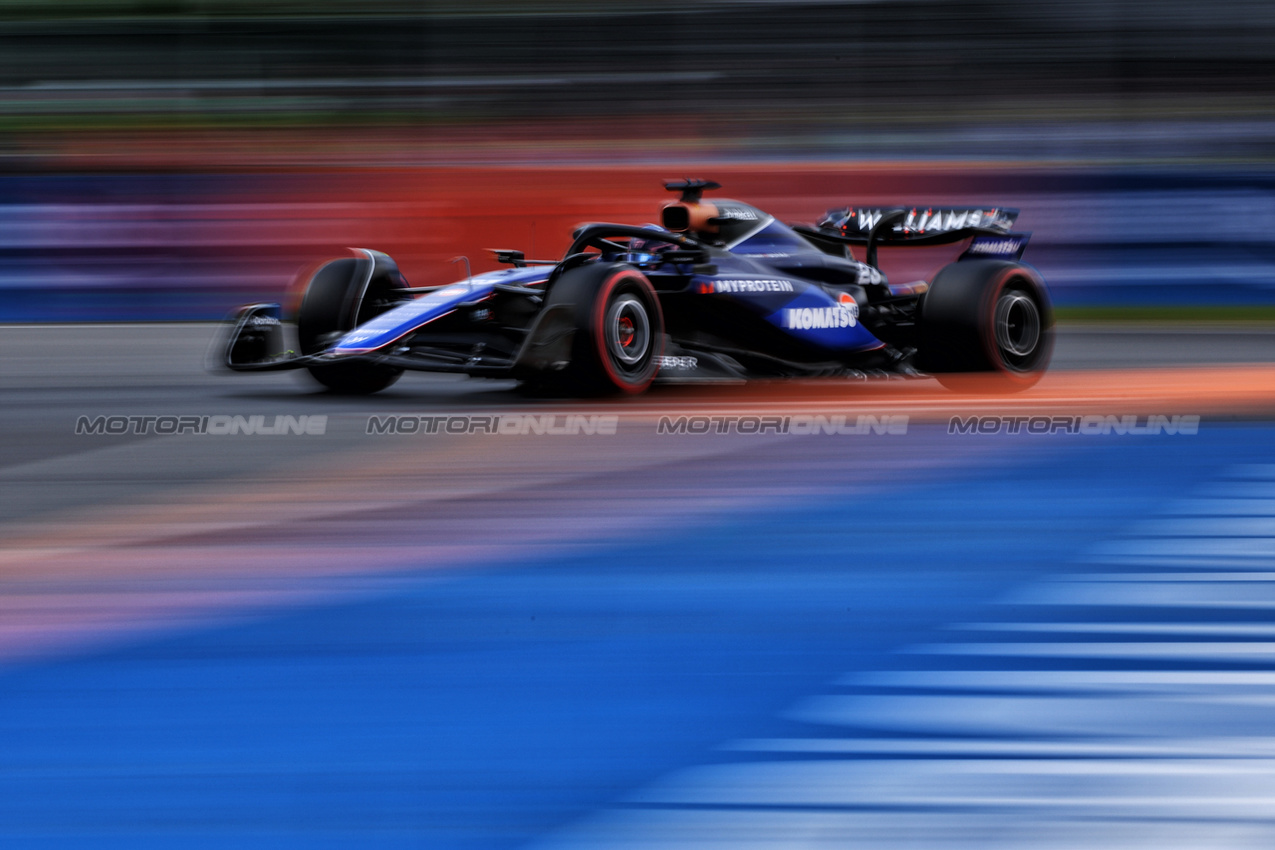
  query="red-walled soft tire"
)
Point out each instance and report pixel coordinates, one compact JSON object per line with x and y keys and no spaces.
{"x":619,"y":334}
{"x":992,"y":318}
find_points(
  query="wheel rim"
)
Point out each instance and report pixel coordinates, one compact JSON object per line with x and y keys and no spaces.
{"x":1017,"y":326}
{"x":628,"y":331}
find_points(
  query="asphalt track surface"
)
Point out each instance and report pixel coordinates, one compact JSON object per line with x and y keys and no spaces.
{"x":636,"y":639}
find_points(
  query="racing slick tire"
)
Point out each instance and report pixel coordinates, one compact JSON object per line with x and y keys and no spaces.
{"x":619,"y":329}
{"x":325,"y":314}
{"x":990,"y":317}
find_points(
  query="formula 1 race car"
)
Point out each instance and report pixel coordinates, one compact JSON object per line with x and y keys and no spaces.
{"x":721,"y":290}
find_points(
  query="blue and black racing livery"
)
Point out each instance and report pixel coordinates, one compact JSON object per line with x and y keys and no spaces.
{"x":719,"y":290}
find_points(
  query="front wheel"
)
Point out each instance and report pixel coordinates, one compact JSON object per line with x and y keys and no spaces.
{"x":988,"y":317}
{"x":619,"y":329}
{"x":334,"y":302}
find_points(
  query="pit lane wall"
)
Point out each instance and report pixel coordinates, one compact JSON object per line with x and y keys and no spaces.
{"x":190,"y":246}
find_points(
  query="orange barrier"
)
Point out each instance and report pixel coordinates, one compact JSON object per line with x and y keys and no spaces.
{"x":1231,"y":390}
{"x":444,"y":212}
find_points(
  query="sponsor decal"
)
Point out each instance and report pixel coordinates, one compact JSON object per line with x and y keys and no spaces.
{"x":678,"y":362}
{"x":997,"y":248}
{"x":802,"y":425}
{"x":263,"y":321}
{"x":917,"y":220}
{"x":844,"y":315}
{"x":745,"y":285}
{"x":1094,"y":424}
{"x":737,"y":213}
{"x":930,"y":219}
{"x":506,"y":424}
{"x":221,"y":425}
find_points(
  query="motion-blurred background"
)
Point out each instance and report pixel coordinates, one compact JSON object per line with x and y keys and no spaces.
{"x":170,"y":159}
{"x":938,"y":638}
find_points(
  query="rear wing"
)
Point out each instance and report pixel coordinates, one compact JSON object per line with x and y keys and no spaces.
{"x":989,"y":227}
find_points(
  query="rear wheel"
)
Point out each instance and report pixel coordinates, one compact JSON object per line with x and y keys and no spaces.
{"x":619,"y":329}
{"x":986,"y":319}
{"x":330,"y":308}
